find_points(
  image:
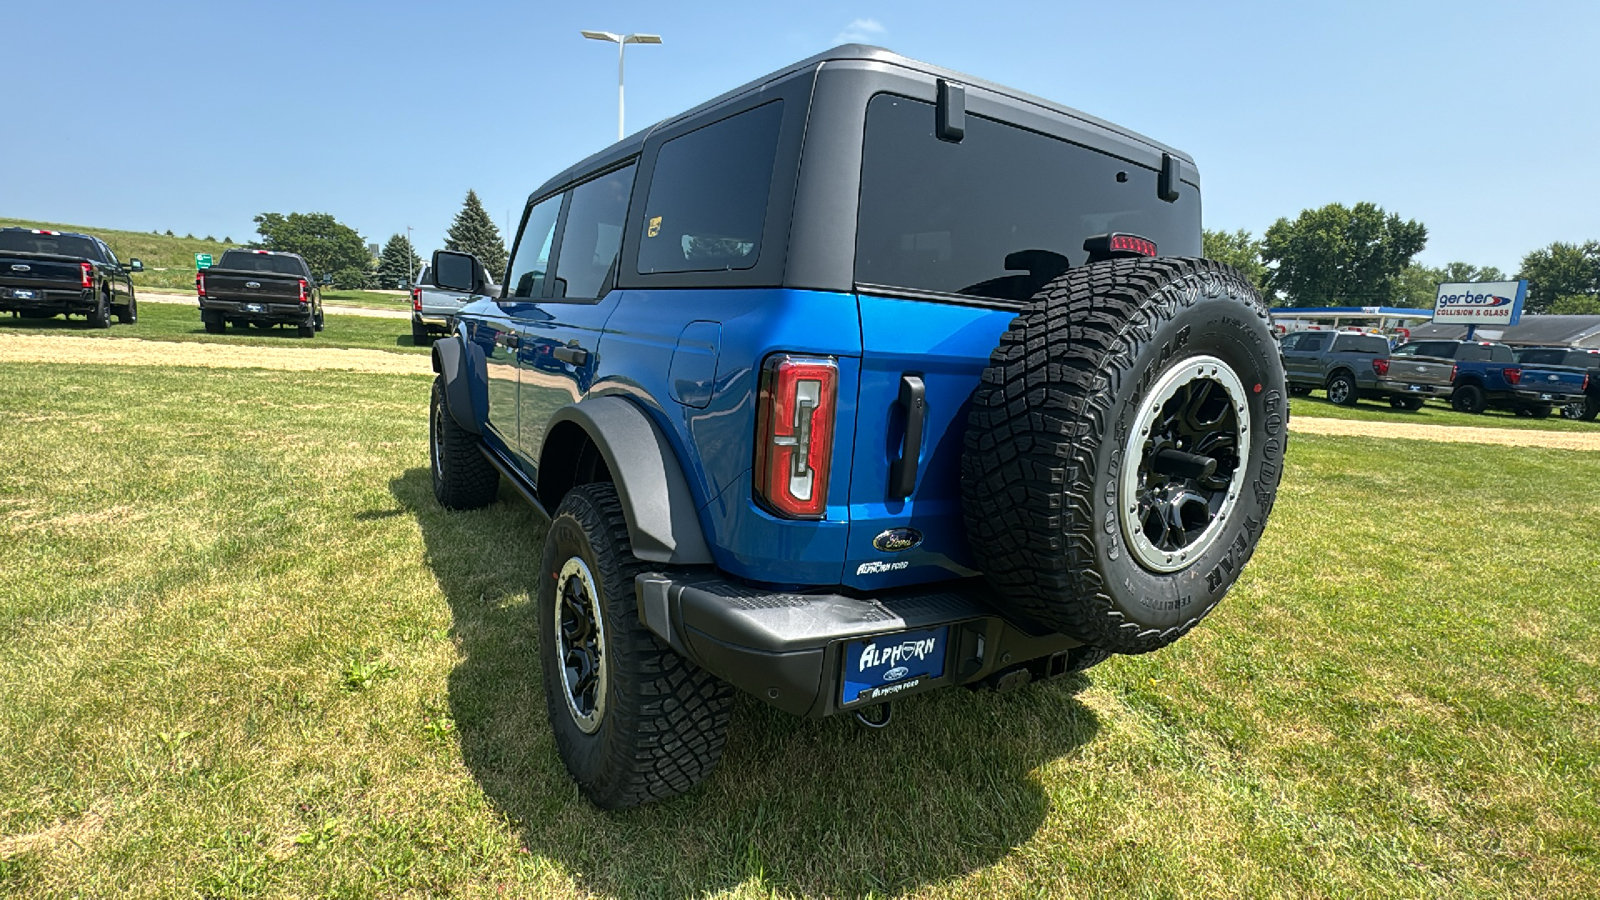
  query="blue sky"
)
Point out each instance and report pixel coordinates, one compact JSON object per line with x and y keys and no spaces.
{"x":1482,"y":120}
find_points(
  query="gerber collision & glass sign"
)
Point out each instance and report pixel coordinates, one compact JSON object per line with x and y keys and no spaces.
{"x":1480,"y":303}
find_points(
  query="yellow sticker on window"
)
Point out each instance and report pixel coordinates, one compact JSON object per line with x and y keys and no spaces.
{"x":655,"y":227}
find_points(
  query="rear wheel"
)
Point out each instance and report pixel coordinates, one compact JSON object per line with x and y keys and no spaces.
{"x":100,"y":316}
{"x":1124,"y":448}
{"x":214,"y":322}
{"x":1585,"y":410}
{"x":633,"y":721}
{"x":1468,"y":398}
{"x":1342,"y":389}
{"x":1411,"y":404}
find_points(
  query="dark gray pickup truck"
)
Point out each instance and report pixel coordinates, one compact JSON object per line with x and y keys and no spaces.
{"x":1587,"y":407}
{"x":1351,"y":367}
{"x":261,"y":288}
{"x":51,"y":273}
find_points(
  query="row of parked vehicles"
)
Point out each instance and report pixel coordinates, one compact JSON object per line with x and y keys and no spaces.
{"x":1472,"y":376}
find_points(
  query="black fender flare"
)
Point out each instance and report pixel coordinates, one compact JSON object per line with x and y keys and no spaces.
{"x":454,"y":360}
{"x":663,"y":524}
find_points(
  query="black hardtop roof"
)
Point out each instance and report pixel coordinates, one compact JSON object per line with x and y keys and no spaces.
{"x":631,"y":145}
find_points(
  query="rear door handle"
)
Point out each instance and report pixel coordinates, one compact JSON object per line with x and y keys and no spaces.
{"x":575,"y":355}
{"x":903,"y":471}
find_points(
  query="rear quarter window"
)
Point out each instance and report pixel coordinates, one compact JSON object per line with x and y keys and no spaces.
{"x":707,"y":205}
{"x":1000,"y":213}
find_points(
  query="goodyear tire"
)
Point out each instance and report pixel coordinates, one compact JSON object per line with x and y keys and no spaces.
{"x":462,"y":478}
{"x":1124,"y":448}
{"x":633,"y":721}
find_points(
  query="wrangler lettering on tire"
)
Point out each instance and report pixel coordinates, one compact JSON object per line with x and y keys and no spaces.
{"x":1124,"y":448}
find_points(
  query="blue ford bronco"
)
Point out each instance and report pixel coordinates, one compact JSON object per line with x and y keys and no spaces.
{"x":863,"y":379}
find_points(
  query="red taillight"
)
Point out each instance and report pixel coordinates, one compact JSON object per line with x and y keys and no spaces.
{"x":302,"y":290}
{"x":1381,"y":366}
{"x":1514,"y":376}
{"x":1128,"y":243}
{"x":416,"y":299}
{"x":794,"y":434}
{"x":1453,"y":370}
{"x":200,"y":283}
{"x":88,"y":274}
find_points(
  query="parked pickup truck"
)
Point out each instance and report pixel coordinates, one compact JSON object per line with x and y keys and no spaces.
{"x":1484,"y":375}
{"x":261,"y":288}
{"x":51,"y":273}
{"x":1350,"y":366}
{"x":835,"y":394}
{"x":1585,"y":406}
{"x":434,"y":309}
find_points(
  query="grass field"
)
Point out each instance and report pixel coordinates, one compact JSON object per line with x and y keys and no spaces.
{"x":243,"y":653}
{"x":1433,"y":413}
{"x":175,"y":322}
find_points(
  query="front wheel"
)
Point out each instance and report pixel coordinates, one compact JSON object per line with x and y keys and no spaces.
{"x":462,"y":477}
{"x":1342,"y":390}
{"x":1468,"y":398}
{"x":128,"y":314}
{"x":633,"y":721}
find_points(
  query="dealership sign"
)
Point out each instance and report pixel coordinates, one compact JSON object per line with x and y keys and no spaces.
{"x":1481,"y":303}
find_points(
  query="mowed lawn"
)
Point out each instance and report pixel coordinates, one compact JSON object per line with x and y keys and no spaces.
{"x":243,"y":653}
{"x":181,"y":322}
{"x":1435,"y":412}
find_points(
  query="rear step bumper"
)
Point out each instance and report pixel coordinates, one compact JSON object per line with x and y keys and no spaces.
{"x":788,"y":649}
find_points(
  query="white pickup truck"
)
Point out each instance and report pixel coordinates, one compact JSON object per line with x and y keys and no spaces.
{"x":433,"y":308}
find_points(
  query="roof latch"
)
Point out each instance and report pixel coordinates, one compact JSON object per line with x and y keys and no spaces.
{"x":1167,"y":184}
{"x":951,"y":120}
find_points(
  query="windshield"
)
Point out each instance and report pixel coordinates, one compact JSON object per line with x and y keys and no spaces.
{"x":59,"y":244}
{"x":1001,"y":212}
{"x":250,"y":261}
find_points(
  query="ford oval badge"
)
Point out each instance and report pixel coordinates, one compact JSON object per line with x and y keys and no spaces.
{"x":897,"y":540}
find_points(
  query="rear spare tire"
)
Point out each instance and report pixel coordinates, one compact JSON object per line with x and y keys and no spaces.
{"x":1124,"y":449}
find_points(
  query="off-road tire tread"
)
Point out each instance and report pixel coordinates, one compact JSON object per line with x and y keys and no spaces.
{"x":469,"y":481}
{"x":669,"y":717}
{"x":1041,"y":411}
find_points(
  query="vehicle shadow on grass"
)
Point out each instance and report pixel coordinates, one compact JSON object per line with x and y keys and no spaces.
{"x":813,"y":807}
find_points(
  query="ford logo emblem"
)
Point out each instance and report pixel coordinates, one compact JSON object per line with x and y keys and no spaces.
{"x":22,"y":268}
{"x":252,"y":284}
{"x":896,"y":673}
{"x":897,"y":540}
{"x":1553,"y":377}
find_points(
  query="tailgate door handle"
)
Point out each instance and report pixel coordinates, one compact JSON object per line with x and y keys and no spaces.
{"x":903,"y":471}
{"x":575,"y":355}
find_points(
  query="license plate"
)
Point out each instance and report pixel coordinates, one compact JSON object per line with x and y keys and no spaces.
{"x":876,"y":669}
{"x":1417,"y":388}
{"x":1546,"y":396}
{"x":24,"y":295}
{"x":254,"y":307}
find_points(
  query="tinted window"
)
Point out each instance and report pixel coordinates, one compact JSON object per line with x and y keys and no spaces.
{"x":106,"y":254}
{"x":1291,"y":342}
{"x":531,"y":260}
{"x":1473,"y":353}
{"x":708,"y":196}
{"x":593,"y":235}
{"x":1501,"y":353}
{"x":249,"y":261}
{"x":1315,"y":343}
{"x":1000,"y":213}
{"x":1441,"y":349}
{"x":59,"y":244}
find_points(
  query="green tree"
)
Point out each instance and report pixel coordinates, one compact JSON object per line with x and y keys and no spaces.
{"x":350,"y":278}
{"x":1237,"y":249}
{"x":327,"y":245}
{"x":1576,"y":305}
{"x":474,"y":232}
{"x":1465,"y":273}
{"x":1418,"y":286}
{"x":398,"y":263}
{"x":1561,"y":270}
{"x":1338,"y":255}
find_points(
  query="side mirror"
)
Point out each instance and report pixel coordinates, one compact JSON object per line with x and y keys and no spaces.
{"x":456,"y":271}
{"x":134,"y":265}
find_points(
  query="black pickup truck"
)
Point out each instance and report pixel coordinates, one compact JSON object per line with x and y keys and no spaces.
{"x":50,"y":273}
{"x":261,"y":288}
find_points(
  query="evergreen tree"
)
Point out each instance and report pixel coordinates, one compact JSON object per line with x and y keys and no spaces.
{"x":474,"y":232}
{"x":398,"y":263}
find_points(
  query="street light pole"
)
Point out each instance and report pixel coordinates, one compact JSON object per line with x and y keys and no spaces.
{"x":411,"y":252}
{"x":622,"y":41}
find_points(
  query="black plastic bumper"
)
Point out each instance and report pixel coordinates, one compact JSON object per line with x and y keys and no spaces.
{"x":52,"y":301}
{"x":788,"y":648}
{"x":276,"y":312}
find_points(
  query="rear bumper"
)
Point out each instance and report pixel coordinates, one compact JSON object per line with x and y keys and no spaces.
{"x":290,"y":313}
{"x":76,"y":300}
{"x":1535,"y":397}
{"x":788,"y":649}
{"x":1389,"y":387}
{"x":442,"y":322}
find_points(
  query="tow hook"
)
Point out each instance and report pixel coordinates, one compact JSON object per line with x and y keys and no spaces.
{"x":875,"y":724}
